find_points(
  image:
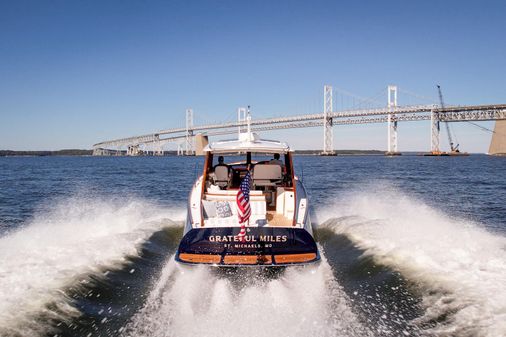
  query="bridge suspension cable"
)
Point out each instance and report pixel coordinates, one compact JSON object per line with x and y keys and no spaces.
{"x":423,"y":98}
{"x":341,"y":95}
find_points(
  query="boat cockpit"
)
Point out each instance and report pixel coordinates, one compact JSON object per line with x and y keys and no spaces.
{"x":272,"y":195}
{"x":265,"y":173}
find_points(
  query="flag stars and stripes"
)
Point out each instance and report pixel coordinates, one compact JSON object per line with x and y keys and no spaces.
{"x":243,"y":204}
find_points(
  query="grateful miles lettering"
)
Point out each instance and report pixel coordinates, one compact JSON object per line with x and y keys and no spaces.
{"x":248,"y":238}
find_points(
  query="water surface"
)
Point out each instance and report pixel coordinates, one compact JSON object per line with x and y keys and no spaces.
{"x":411,"y":246}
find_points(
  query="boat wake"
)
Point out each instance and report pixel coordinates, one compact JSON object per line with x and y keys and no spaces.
{"x":458,"y":267}
{"x":455,"y":271}
{"x":198,"y":301}
{"x":55,"y":250}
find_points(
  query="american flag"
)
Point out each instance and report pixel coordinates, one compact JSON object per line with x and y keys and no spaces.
{"x":243,"y":206}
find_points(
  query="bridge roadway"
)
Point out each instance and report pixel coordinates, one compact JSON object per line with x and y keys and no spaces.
{"x":347,"y":117}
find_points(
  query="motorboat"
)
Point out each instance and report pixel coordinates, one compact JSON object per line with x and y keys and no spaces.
{"x":278,"y":230}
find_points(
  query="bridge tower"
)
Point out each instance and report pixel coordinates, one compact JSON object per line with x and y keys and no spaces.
{"x":241,"y":117}
{"x":392,"y":121}
{"x":434,"y":132}
{"x":189,"y":133}
{"x":328,"y":136}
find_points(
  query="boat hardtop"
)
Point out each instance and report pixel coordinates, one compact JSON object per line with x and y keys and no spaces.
{"x":278,"y":230}
{"x":248,"y":142}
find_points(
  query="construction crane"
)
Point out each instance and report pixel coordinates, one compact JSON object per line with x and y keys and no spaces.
{"x":453,"y":148}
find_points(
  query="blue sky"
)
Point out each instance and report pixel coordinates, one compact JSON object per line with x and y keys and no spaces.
{"x":73,"y":73}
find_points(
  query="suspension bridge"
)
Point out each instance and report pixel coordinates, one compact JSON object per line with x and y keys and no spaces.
{"x":192,"y":138}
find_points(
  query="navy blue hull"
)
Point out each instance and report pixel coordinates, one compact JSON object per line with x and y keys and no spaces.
{"x":262,"y":246}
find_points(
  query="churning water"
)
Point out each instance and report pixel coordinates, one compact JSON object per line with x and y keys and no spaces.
{"x":411,"y":247}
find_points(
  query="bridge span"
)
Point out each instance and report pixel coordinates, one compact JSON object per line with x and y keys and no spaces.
{"x":391,"y":114}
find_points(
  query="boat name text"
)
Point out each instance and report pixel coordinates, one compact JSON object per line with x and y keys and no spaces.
{"x":248,"y":238}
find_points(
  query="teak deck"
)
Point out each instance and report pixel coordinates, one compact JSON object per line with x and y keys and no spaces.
{"x":277,"y":220}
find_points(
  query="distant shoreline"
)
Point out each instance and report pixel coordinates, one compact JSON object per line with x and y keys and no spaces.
{"x":65,"y":152}
{"x":79,"y":152}
{"x":88,"y":153}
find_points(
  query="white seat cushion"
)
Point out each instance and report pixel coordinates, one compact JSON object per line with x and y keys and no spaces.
{"x":221,"y":176}
{"x":257,"y":218}
{"x":209,"y":208}
{"x":266,"y":174}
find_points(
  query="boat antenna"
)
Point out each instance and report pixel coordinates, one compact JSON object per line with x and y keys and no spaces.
{"x":248,"y":119}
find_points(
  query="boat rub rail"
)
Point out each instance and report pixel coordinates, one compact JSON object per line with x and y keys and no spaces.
{"x":276,"y":259}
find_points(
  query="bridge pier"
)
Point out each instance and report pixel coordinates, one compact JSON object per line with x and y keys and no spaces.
{"x":392,"y":149}
{"x":158,"y":149}
{"x":99,"y":152}
{"x":201,"y":142}
{"x":328,"y":135}
{"x":498,"y":142}
{"x":133,"y":150}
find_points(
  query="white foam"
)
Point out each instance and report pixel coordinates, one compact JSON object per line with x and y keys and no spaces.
{"x":465,"y":263}
{"x":53,"y":250}
{"x":196,"y":302}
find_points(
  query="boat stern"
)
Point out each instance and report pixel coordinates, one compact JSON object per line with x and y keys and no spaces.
{"x":262,"y":246}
